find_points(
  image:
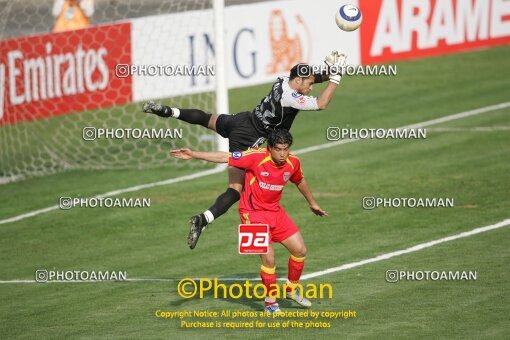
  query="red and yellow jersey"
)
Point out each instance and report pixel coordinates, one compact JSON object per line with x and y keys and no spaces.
{"x":265,"y":179}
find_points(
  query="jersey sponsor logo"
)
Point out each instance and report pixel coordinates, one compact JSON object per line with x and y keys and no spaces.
{"x":271,"y":187}
{"x":264,"y":173}
{"x":299,"y":98}
{"x":237,"y":154}
{"x":286,"y":176}
{"x":253,"y":239}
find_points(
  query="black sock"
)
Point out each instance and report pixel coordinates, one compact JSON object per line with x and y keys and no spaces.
{"x":194,"y":116}
{"x":224,"y":202}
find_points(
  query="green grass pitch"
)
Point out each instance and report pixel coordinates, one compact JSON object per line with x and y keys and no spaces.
{"x":468,"y":165}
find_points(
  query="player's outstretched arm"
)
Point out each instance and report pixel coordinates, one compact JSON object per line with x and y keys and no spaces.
{"x":325,"y":97}
{"x":307,"y":194}
{"x":213,"y":156}
{"x":336,"y":61}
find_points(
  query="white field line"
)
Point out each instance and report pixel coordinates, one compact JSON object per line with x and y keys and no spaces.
{"x":121,"y":191}
{"x":426,"y":123}
{"x":444,"y":119}
{"x":346,"y":266}
{"x":471,"y":129}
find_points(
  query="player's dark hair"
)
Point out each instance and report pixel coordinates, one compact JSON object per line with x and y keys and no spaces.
{"x":304,"y":71}
{"x":300,"y":70}
{"x":279,"y":136}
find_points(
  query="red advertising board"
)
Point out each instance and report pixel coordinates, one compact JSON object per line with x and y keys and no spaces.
{"x":52,"y":74}
{"x":402,"y":29}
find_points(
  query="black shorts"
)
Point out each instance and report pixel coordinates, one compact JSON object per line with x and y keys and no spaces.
{"x":240,"y":131}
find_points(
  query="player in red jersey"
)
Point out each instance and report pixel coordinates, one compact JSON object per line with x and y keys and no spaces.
{"x":267,"y":172}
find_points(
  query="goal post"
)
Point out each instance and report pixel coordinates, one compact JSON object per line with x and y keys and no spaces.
{"x":222,"y":106}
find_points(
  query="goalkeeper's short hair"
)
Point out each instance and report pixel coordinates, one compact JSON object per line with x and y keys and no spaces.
{"x":300,"y":70}
{"x":279,"y":136}
{"x":304,"y":71}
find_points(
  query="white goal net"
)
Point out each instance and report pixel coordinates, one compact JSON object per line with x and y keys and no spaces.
{"x":60,"y":79}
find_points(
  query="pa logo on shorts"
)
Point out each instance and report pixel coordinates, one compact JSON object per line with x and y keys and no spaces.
{"x":237,"y":154}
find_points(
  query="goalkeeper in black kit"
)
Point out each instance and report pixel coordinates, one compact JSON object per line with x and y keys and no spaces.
{"x":250,"y":129}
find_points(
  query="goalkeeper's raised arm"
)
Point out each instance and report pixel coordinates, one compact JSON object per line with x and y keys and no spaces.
{"x":213,"y":156}
{"x":335,"y":60}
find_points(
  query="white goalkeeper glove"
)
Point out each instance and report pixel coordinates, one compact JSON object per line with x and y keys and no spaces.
{"x":336,"y":61}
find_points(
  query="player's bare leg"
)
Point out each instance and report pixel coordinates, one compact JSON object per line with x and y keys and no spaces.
{"x":268,"y":275}
{"x":212,"y":122}
{"x":199,"y":222}
{"x":296,"y":246}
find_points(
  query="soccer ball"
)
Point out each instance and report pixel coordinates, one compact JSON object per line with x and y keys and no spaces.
{"x":348,"y":18}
